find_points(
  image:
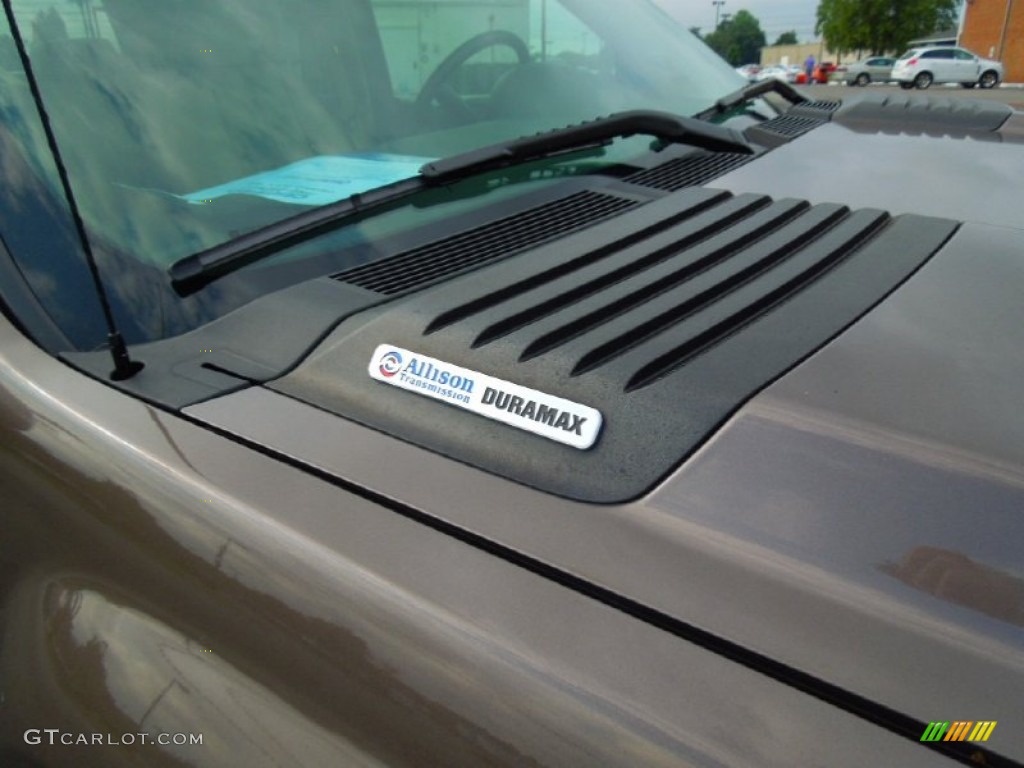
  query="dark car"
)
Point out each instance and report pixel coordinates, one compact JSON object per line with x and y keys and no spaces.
{"x":408,"y":383}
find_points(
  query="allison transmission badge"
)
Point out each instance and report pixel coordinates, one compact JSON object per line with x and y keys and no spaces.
{"x":546,"y":415}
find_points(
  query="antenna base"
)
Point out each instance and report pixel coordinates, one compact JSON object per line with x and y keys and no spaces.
{"x":124,"y":366}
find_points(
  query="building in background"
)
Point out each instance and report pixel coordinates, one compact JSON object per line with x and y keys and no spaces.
{"x":995,"y":29}
{"x":946,"y":37}
{"x":789,"y":55}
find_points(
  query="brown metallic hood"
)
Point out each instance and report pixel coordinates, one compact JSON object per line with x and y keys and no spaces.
{"x":859,"y":521}
{"x":916,"y":159}
{"x":885,"y":477}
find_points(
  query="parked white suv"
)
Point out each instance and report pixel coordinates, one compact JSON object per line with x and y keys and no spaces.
{"x":920,"y":67}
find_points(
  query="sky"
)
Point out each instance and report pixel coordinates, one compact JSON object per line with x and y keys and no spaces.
{"x":776,"y":16}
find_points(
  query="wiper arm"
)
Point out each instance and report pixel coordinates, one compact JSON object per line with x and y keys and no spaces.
{"x":662,"y":125}
{"x":752,"y":91}
{"x":193,"y":272}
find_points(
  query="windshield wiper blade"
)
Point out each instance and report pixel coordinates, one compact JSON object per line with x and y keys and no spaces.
{"x":662,"y":125}
{"x":192,"y":273}
{"x":752,"y":91}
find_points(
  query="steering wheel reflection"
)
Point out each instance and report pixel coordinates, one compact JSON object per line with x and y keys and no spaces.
{"x":438,"y":88}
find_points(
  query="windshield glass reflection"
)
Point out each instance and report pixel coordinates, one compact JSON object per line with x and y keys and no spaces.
{"x":186,"y":123}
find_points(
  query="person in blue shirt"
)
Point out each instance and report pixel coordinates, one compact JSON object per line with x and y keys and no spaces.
{"x":809,"y":68}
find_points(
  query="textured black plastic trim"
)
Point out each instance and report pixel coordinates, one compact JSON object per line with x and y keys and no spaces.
{"x":478,"y":246}
{"x":782,"y":129}
{"x":933,"y":115}
{"x":798,"y":120}
{"x":666,"y":319}
{"x":825,"y":105}
{"x":258,"y":341}
{"x":691,"y":170}
{"x":821,"y":109}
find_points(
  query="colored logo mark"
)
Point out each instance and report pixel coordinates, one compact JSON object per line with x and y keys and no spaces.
{"x":959,"y":730}
{"x":390,"y":364}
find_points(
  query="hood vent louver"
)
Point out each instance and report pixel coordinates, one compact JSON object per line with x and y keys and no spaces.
{"x":766,"y":277}
{"x":820,"y":109}
{"x":800,"y":119}
{"x":665,"y":319}
{"x":648,"y":309}
{"x":931,"y":115}
{"x":783,"y":129}
{"x":476,"y":247}
{"x":789,"y":126}
{"x":691,"y":170}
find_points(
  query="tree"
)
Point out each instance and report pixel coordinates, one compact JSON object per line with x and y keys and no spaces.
{"x":786,"y":38}
{"x":882,"y":26}
{"x":738,"y":40}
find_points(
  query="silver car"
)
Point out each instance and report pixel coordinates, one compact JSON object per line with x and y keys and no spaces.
{"x":876,"y":69}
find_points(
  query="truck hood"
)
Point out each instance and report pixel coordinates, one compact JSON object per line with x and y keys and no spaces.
{"x":849,"y":521}
{"x":905,"y":154}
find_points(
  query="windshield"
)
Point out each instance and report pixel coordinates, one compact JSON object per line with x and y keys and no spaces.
{"x":186,"y":123}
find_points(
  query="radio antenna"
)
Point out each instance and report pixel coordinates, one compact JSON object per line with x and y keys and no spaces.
{"x":124,"y":366}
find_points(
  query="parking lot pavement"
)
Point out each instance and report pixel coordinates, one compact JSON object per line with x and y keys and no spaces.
{"x":1012,"y":94}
